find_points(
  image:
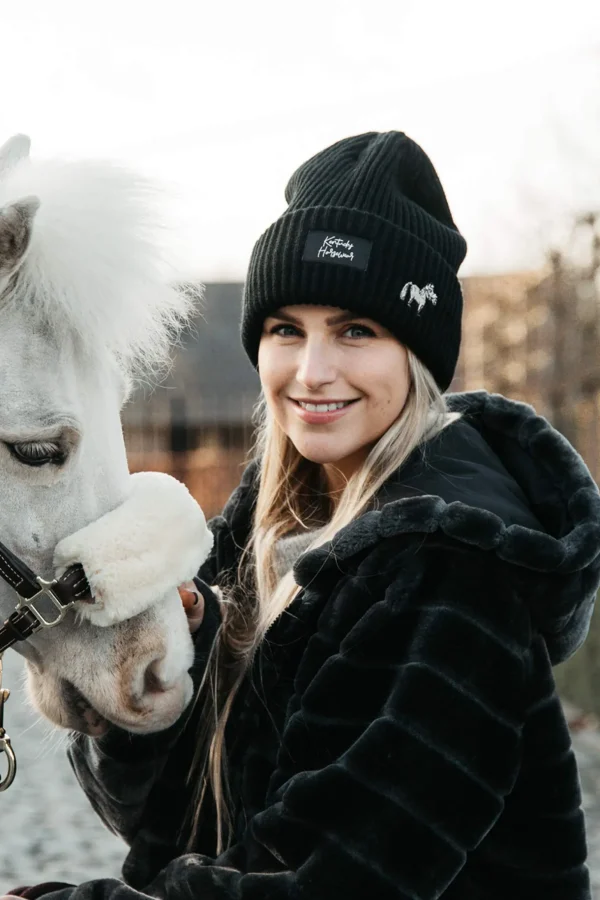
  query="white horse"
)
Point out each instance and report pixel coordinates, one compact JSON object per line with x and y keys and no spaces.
{"x":85,"y":306}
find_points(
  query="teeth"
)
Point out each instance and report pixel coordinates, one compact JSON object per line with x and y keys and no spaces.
{"x":324,"y":407}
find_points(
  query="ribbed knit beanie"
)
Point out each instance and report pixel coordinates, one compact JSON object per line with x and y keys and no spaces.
{"x":368,"y":229}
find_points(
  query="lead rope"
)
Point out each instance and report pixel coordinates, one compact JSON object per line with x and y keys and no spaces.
{"x":5,"y":745}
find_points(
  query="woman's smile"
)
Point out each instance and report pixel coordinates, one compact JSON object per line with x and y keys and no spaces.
{"x":322,"y":412}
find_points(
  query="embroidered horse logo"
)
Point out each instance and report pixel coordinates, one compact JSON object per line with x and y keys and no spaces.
{"x":421,"y":295}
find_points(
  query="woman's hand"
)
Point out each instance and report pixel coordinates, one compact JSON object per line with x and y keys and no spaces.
{"x":193,"y":603}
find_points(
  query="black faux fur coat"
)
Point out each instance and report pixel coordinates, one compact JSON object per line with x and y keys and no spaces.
{"x":403,"y":739}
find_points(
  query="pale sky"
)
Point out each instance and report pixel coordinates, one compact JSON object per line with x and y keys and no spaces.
{"x":224,"y":99}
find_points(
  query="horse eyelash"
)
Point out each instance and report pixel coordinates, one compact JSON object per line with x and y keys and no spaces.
{"x":40,"y":446}
{"x":37,"y":453}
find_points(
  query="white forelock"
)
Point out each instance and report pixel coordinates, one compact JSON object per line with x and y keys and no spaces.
{"x":98,"y":259}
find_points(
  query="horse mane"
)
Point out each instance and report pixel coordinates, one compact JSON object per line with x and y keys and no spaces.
{"x":98,"y":263}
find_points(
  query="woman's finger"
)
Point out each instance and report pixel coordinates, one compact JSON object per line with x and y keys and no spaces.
{"x":193,"y":603}
{"x":189,"y":597}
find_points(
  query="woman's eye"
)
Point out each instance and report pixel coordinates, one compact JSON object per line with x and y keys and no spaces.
{"x":37,"y":453}
{"x":363,"y":331}
{"x":284,"y":330}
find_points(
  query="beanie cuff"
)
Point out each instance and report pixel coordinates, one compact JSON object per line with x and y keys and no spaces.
{"x":385,"y":281}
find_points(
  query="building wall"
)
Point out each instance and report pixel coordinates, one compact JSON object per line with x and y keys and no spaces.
{"x":534,"y":337}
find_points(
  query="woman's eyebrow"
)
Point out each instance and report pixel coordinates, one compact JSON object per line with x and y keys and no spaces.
{"x":342,"y":317}
{"x":285,"y":317}
{"x":345,"y":316}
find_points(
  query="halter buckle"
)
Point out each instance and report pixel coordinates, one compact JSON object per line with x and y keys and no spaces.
{"x":46,"y":591}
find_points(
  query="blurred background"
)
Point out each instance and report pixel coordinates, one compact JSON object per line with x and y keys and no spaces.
{"x":221,"y":102}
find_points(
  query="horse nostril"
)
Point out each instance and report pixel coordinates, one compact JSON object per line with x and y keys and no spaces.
{"x":152,"y":681}
{"x":153,"y":694}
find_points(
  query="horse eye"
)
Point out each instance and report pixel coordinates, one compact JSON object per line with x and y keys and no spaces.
{"x":37,"y":453}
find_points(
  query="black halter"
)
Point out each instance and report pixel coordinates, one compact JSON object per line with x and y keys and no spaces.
{"x":62,"y":592}
{"x":27,"y":618}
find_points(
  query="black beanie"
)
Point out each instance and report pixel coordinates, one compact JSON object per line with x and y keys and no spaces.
{"x":368,"y":229}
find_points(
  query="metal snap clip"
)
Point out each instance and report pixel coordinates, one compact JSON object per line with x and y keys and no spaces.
{"x":6,"y":747}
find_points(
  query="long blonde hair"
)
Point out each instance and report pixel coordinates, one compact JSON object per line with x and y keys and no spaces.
{"x":292,"y":495}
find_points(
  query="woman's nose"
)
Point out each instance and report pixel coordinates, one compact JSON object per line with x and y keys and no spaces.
{"x":316,"y":366}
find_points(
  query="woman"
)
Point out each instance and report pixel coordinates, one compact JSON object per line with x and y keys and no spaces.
{"x":397,"y":572}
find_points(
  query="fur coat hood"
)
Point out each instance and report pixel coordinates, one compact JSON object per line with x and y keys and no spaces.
{"x":501,"y":478}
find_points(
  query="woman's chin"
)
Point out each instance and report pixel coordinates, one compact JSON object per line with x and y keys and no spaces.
{"x":322,"y":452}
{"x":321,"y":459}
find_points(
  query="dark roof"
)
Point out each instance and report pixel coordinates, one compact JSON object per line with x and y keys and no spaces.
{"x":212,"y":381}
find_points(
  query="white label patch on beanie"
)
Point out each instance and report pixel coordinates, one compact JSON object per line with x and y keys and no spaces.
{"x":422,"y":295}
{"x":333,"y":247}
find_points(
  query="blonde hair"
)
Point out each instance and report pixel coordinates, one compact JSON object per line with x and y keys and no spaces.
{"x":292,"y":494}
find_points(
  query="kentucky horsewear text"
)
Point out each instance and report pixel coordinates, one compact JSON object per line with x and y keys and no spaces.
{"x":333,"y":247}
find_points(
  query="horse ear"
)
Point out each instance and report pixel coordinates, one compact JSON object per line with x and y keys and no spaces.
{"x":13,"y":151}
{"x":16,"y":226}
